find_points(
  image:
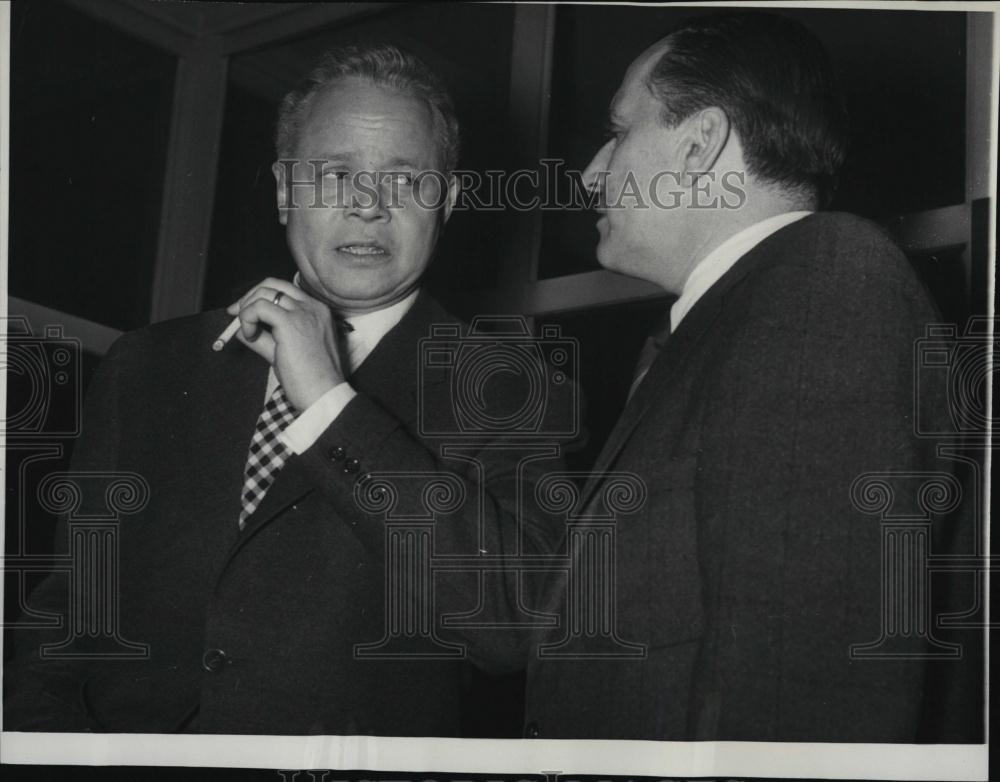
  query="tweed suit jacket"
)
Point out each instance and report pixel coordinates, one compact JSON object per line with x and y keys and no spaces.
{"x":287,"y":600}
{"x":747,"y":573}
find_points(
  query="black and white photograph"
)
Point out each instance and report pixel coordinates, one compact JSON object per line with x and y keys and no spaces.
{"x":496,"y":391}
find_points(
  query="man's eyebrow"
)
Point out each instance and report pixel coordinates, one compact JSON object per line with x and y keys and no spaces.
{"x":401,"y":162}
{"x":341,"y":158}
{"x":330,"y":157}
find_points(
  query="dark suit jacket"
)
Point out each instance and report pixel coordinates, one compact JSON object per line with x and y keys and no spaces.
{"x":748,"y":573}
{"x":288,"y":599}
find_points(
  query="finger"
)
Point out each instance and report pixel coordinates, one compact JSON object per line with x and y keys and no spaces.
{"x":263,"y":345}
{"x":261,"y":315}
{"x":268,"y":295}
{"x":278,"y":298}
{"x":268,"y":288}
{"x":286,"y":287}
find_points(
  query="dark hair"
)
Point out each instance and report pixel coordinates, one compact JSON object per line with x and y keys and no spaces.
{"x":383,"y":64}
{"x":776,"y":84}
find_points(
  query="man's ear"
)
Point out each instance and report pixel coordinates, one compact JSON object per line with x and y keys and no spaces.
{"x":453,"y":191}
{"x":280,"y":171}
{"x":706,"y":137}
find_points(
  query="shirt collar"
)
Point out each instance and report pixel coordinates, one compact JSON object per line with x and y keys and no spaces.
{"x":710,"y":269}
{"x":370,"y":327}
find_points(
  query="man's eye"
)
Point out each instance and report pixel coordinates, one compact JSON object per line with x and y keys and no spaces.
{"x":401,"y":178}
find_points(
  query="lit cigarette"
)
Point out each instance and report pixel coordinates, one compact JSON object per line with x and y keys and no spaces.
{"x":226,"y":335}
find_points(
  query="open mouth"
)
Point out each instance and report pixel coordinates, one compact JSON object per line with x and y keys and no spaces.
{"x":363,"y":249}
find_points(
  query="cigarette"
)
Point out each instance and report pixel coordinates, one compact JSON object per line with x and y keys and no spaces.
{"x":225,"y":336}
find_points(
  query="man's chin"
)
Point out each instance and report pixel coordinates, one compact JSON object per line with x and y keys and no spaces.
{"x":607,"y":257}
{"x":363,"y":300}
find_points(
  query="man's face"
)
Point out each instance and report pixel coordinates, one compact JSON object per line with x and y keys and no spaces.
{"x":640,"y":232}
{"x":367,"y":243}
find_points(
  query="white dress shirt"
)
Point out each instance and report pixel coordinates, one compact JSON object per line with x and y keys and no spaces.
{"x":710,"y":269}
{"x":369,"y":329}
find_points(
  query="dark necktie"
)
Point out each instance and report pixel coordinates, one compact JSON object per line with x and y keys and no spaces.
{"x":650,"y":350}
{"x":344,"y":330}
{"x":267,"y":453}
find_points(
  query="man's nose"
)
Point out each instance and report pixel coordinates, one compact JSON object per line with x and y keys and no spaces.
{"x":369,"y":198}
{"x":596,"y":171}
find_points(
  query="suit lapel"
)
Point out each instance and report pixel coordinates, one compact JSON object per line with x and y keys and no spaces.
{"x":223,"y":412}
{"x":389,"y":375}
{"x":663,"y":372}
{"x":667,"y":367}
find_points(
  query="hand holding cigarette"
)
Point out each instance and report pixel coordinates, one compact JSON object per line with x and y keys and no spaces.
{"x":293,"y":332}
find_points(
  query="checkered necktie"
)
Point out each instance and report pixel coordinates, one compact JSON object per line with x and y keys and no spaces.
{"x":267,"y":453}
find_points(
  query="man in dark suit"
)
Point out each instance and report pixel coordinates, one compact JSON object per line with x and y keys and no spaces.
{"x":782,"y":373}
{"x":261,"y":609}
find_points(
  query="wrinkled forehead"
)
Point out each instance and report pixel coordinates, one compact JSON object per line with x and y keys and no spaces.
{"x":355,"y":98}
{"x":352,"y":111}
{"x":634,"y":90}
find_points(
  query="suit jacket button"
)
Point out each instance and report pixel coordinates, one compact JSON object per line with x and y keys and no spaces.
{"x":531,"y":730}
{"x":352,"y":465}
{"x":337,"y":453}
{"x":214,"y":660}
